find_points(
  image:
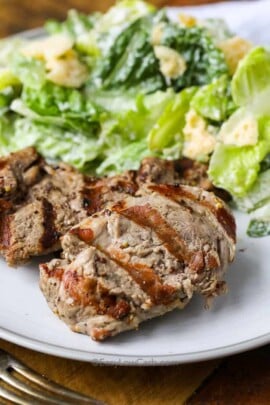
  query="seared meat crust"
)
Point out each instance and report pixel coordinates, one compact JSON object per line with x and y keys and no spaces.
{"x":40,"y":202}
{"x":140,"y":258}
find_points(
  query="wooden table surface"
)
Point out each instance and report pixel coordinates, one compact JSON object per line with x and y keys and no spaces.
{"x":239,"y":380}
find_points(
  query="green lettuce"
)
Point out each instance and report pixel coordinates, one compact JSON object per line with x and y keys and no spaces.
{"x":252,"y":77}
{"x":55,"y":143}
{"x":259,"y":225}
{"x":125,"y":158}
{"x":76,"y":24}
{"x":130,"y":62}
{"x":8,"y":48}
{"x":56,"y":105}
{"x":236,"y":168}
{"x":10,"y":88}
{"x":205,"y":62}
{"x":124,"y":12}
{"x":30,"y":72}
{"x":257,"y":196}
{"x":214,"y":101}
{"x":7,"y":129}
{"x":217,"y":29}
{"x":168,"y":128}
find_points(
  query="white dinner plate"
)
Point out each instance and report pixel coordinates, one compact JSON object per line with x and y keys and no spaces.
{"x":238,"y":321}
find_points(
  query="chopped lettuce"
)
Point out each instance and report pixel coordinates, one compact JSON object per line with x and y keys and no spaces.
{"x":10,"y":88}
{"x":125,"y":158}
{"x":30,"y":71}
{"x":124,"y":12}
{"x":76,"y":24}
{"x":252,"y":77}
{"x":129,"y":107}
{"x":258,"y":228}
{"x":96,"y":33}
{"x":205,"y":62}
{"x":7,"y":128}
{"x":257,"y":196}
{"x":55,"y":143}
{"x":217,"y":28}
{"x":58,"y":105}
{"x":214,"y":100}
{"x":168,"y":129}
{"x":236,"y":168}
{"x":8,"y":79}
{"x":8,"y":48}
{"x":130,"y":62}
{"x":259,"y":225}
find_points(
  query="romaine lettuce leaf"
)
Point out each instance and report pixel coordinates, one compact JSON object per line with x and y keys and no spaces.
{"x":76,"y":24}
{"x":56,"y":105}
{"x":123,"y":13}
{"x":236,"y":168}
{"x":259,"y":225}
{"x":130,"y":62}
{"x":257,"y":196}
{"x":10,"y":88}
{"x":205,"y":62}
{"x":214,"y":101}
{"x":55,"y":143}
{"x":30,"y":71}
{"x":217,"y":28}
{"x":252,"y":77}
{"x":8,"y":48}
{"x":168,"y":129}
{"x":7,"y":129}
{"x":131,"y":116}
{"x":125,"y":158}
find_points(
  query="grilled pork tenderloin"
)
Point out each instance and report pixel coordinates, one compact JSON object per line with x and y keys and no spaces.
{"x":140,"y":258}
{"x":40,"y":202}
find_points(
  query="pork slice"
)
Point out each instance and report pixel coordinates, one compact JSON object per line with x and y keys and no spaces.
{"x":100,"y":192}
{"x":26,"y":180}
{"x":181,"y":171}
{"x":150,"y":252}
{"x":156,"y":170}
{"x":28,"y":232}
{"x":18,"y":171}
{"x":37,"y":213}
{"x":96,"y":296}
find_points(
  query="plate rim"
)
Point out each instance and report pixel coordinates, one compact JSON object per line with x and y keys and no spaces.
{"x":132,"y":360}
{"x":123,"y":360}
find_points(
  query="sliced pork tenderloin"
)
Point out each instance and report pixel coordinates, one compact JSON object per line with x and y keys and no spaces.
{"x":40,"y":202}
{"x":140,"y":258}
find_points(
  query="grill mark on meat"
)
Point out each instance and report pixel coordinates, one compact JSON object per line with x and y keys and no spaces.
{"x":125,"y":187}
{"x":145,"y":215}
{"x":50,"y":235}
{"x":92,"y":199}
{"x":144,"y":276}
{"x":120,"y":310}
{"x":87,"y":291}
{"x":97,"y":193}
{"x":5,"y":233}
{"x":3,"y":164}
{"x":56,"y":272}
{"x":84,"y":234}
{"x":222,"y":215}
{"x":5,"y":205}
